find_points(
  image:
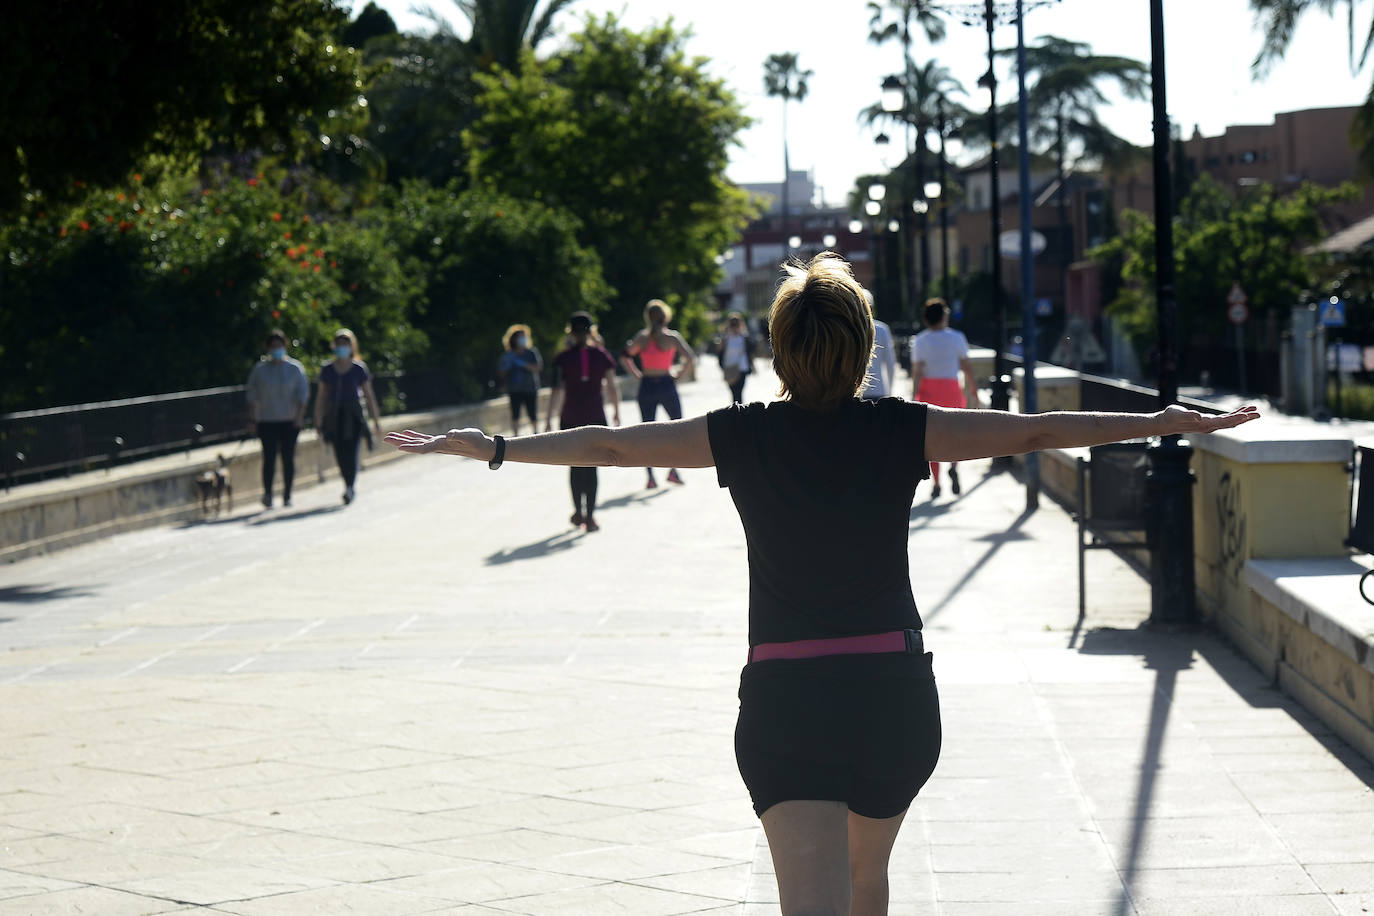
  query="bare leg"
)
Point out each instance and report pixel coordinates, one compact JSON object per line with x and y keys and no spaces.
{"x":810,"y":849}
{"x":870,"y":847}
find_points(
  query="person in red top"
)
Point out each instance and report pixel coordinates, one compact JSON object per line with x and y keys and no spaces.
{"x":657,"y":347}
{"x":839,"y":718}
{"x":581,"y":372}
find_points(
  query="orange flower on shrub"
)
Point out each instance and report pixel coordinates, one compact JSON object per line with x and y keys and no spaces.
{"x":333,"y":263}
{"x":276,"y":313}
{"x":305,"y":218}
{"x":317,"y":268}
{"x":252,"y":182}
{"x":62,"y":232}
{"x":125,"y":225}
{"x":137,"y":177}
{"x":286,"y":235}
{"x":319,"y":252}
{"x":84,"y":226}
{"x":276,"y":217}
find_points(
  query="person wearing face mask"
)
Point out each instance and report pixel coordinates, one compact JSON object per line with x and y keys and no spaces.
{"x":277,"y":390}
{"x":345,"y":384}
{"x":519,"y":370}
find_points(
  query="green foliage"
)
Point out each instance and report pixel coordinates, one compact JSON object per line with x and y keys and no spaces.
{"x":166,"y":284}
{"x":90,"y":88}
{"x":421,"y":104}
{"x":631,"y":136}
{"x":1256,"y":239}
{"x":1356,"y":401}
{"x":488,"y":261}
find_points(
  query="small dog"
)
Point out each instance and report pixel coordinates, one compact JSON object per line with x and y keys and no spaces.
{"x":216,"y":485}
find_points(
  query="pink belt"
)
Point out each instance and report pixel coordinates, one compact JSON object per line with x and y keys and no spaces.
{"x":908,"y":641}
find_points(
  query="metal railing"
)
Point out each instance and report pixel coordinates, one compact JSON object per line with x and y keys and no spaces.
{"x":35,"y":444}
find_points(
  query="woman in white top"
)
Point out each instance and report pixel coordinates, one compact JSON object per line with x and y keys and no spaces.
{"x":736,"y":356}
{"x":938,"y":355}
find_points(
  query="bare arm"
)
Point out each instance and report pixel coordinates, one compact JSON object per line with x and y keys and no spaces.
{"x":675,"y":443}
{"x":555,"y":404}
{"x":370,"y":396}
{"x":689,"y":358}
{"x":627,"y":356}
{"x":970,"y":383}
{"x":612,"y":394}
{"x":961,"y":435}
{"x":321,"y":399}
{"x":918,"y":371}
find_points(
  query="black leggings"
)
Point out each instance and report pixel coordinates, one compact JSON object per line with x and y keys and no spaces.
{"x":347,"y":453}
{"x":583,"y":482}
{"x":278,"y":436}
{"x":737,"y":389}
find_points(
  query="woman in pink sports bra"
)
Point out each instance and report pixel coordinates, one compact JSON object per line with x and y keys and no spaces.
{"x":657,"y":346}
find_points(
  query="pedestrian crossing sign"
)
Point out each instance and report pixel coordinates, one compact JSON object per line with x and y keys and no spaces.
{"x":1333,"y":313}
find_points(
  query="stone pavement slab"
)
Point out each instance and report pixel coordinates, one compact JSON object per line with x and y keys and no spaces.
{"x":442,"y":699}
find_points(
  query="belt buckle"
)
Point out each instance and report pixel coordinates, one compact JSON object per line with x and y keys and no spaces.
{"x":915,"y":644}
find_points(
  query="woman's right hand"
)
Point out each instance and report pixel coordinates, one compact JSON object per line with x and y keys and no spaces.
{"x":465,"y":443}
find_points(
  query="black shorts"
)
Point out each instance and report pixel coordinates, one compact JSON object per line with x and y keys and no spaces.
{"x":861,"y":729}
{"x":525,"y":399}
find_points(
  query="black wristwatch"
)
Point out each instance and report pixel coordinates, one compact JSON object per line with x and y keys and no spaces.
{"x":500,"y":455}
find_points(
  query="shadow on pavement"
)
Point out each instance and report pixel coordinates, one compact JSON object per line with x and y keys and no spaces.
{"x":927,"y":510}
{"x":287,"y":515}
{"x":30,"y":594}
{"x":1168,"y":651}
{"x":629,"y":499}
{"x":996,"y":539}
{"x":548,"y":545}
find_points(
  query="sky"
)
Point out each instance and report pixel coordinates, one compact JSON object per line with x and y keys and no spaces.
{"x":1209,"y":47}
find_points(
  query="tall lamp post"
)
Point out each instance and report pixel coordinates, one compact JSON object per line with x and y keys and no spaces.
{"x":1170,"y":479}
{"x":895,"y":101}
{"x":1030,"y":396}
{"x":1001,"y":394}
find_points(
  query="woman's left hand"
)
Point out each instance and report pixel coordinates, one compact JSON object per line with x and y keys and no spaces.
{"x":466,"y":443}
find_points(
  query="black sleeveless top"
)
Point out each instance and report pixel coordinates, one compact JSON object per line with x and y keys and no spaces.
{"x":825,"y":500}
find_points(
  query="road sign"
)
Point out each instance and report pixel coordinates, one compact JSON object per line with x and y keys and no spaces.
{"x":1044,"y":306}
{"x":1237,"y":305}
{"x":1333,"y":312}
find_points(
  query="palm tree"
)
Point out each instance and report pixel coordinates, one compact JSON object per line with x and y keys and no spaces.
{"x":927,"y":108}
{"x":1062,"y":105}
{"x":1280,"y":19}
{"x":882,"y":29}
{"x":501,"y":29}
{"x":782,"y":77}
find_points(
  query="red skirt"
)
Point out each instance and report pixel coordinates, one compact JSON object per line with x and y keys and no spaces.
{"x":942,"y":392}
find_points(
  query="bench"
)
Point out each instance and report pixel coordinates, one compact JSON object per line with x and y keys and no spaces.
{"x":1111,"y":501}
{"x":1362,"y":530}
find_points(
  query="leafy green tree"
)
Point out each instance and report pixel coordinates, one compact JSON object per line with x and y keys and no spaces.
{"x":1256,"y":239}
{"x":420,"y":107}
{"x":168,"y":284}
{"x":89,"y":88}
{"x":488,"y":261}
{"x":631,"y":136}
{"x":784,"y":78}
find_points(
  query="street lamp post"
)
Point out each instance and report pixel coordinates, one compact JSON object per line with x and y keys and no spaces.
{"x":1170,"y":478}
{"x":1001,"y":395}
{"x":1029,"y":399}
{"x":944,"y":206}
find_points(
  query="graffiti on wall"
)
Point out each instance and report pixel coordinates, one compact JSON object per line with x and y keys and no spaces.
{"x":1231,"y":531}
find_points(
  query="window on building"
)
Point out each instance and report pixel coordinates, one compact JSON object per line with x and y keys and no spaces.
{"x":1248,"y":157}
{"x":1211,"y":162}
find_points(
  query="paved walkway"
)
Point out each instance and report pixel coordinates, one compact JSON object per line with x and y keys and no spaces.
{"x":441,"y":699}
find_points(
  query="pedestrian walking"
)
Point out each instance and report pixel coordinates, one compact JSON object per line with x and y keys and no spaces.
{"x":277,"y":391}
{"x":938,"y":355}
{"x":519,"y":370}
{"x":882,"y":368}
{"x":345,"y":386}
{"x":736,"y":355}
{"x":839,"y":720}
{"x":658,"y":346}
{"x":584,"y":378}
